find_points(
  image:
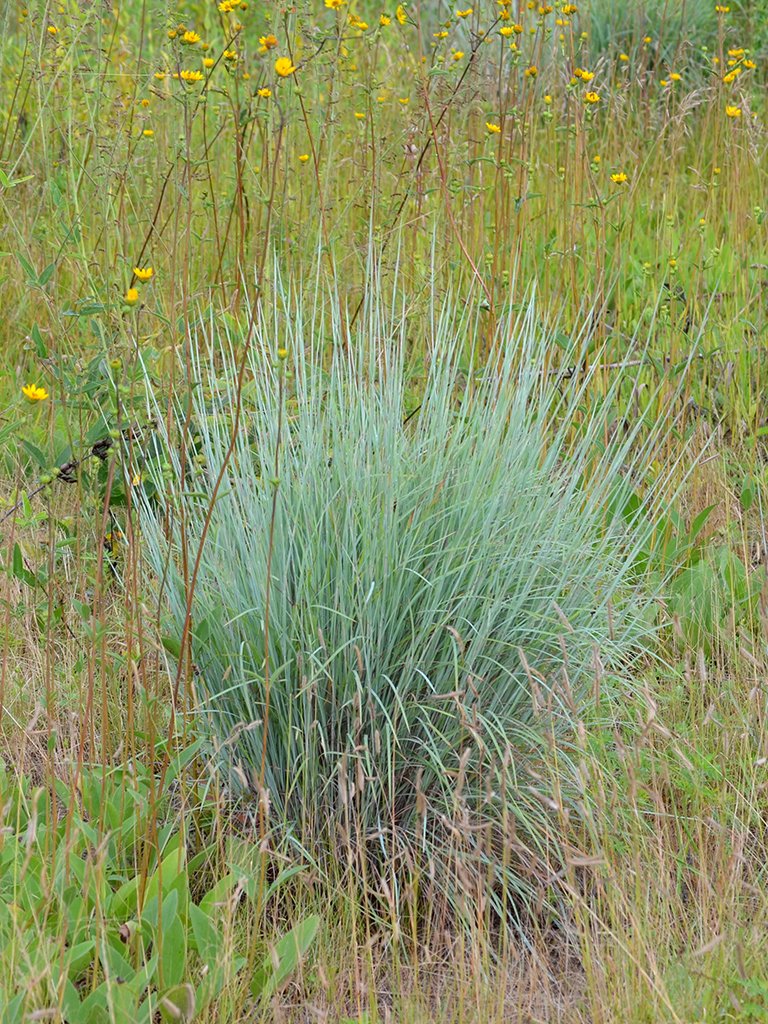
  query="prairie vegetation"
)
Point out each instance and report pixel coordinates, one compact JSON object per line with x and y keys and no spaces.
{"x":383,"y":586}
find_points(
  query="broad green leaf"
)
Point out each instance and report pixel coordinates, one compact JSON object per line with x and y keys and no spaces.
{"x":207,"y":940}
{"x":178,"y":1004}
{"x":286,"y":956}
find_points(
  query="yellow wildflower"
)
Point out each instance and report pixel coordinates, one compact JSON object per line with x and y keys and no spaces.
{"x":401,"y":14}
{"x":493,"y":129}
{"x":264,"y":94}
{"x":190,"y":38}
{"x":385,"y":20}
{"x":733,"y":111}
{"x":619,"y":179}
{"x":591,"y":97}
{"x":285,"y":67}
{"x":132,"y":296}
{"x":34,"y":393}
{"x":143,"y":273}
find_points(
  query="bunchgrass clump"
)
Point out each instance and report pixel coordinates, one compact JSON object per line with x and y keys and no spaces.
{"x":406,"y":576}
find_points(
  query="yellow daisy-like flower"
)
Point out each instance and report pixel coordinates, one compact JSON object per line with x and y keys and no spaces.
{"x":360,"y":116}
{"x":493,"y":129}
{"x":52,"y":30}
{"x":304,"y":157}
{"x":385,"y":20}
{"x":208,"y":62}
{"x":675,"y":76}
{"x":624,"y":57}
{"x":160,"y":75}
{"x":733,"y":111}
{"x":143,"y":273}
{"x":457,"y":54}
{"x":531,"y":72}
{"x":131,"y":296}
{"x":148,"y":133}
{"x":264,"y":94}
{"x":619,"y":179}
{"x":506,"y":30}
{"x":268,"y":42}
{"x":34,"y":393}
{"x":464,"y":14}
{"x":190,"y":38}
{"x":547,"y":99}
{"x":401,"y":14}
{"x":230,"y":55}
{"x":191,"y":76}
{"x":591,"y":97}
{"x":285,"y":67}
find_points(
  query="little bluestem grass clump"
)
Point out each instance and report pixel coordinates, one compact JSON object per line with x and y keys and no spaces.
{"x":435,"y":569}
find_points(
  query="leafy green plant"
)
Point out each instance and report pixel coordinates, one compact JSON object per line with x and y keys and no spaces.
{"x":397,"y":597}
{"x":706,"y":585}
{"x":87,"y":932}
